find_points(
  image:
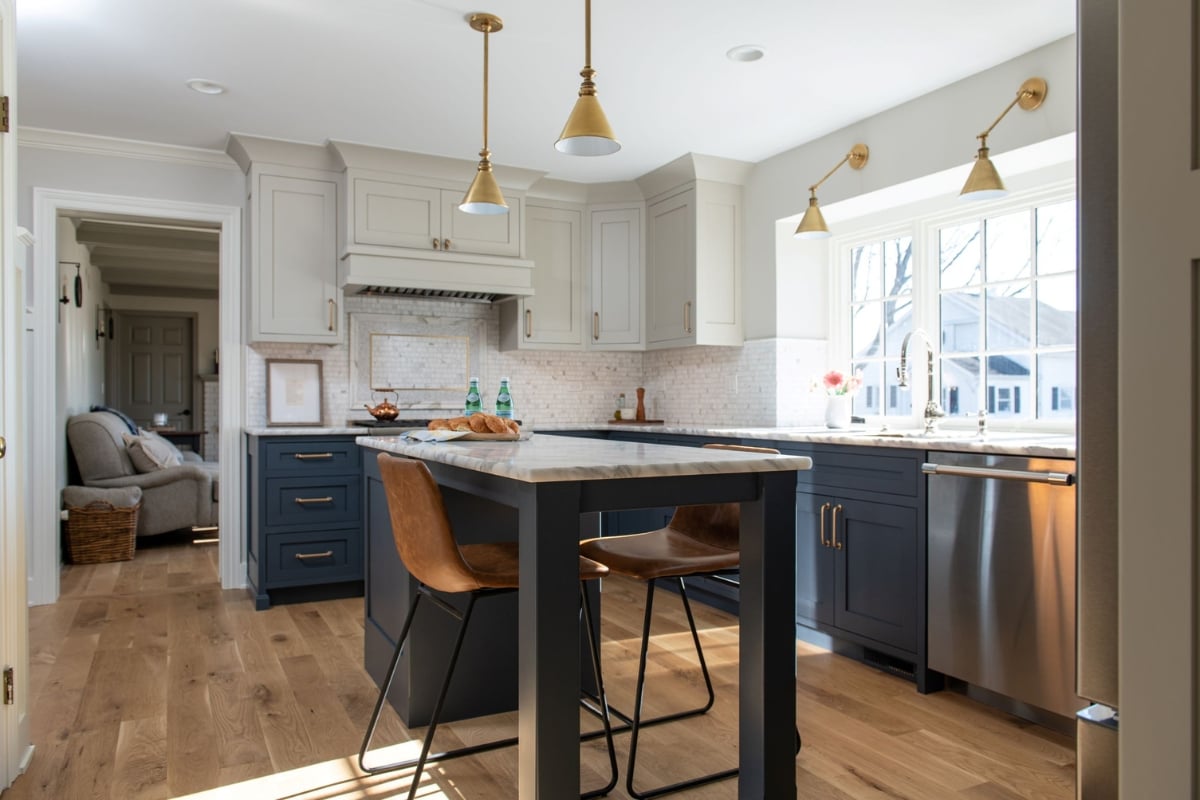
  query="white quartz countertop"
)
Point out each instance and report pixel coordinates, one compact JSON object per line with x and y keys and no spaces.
{"x":560,"y":458}
{"x":336,"y":430}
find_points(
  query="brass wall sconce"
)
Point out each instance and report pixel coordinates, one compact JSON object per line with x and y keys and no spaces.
{"x":587,"y":132}
{"x":812,"y":224}
{"x":484,"y":195}
{"x":984,"y":181}
{"x":78,"y":285}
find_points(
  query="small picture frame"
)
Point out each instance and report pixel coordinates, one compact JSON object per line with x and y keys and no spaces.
{"x":294,"y":392}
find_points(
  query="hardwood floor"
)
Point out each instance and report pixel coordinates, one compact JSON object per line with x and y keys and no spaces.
{"x":148,"y":681}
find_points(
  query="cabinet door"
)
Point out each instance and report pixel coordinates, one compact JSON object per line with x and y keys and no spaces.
{"x":616,"y":279}
{"x":554,"y":242}
{"x":296,"y":267}
{"x":717,"y":316}
{"x":397,"y":214}
{"x":483,"y":234}
{"x":877,"y":571}
{"x":815,"y":563}
{"x":671,"y":270}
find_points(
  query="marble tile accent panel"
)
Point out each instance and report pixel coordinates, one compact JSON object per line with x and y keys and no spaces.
{"x":211,"y":419}
{"x":561,"y":458}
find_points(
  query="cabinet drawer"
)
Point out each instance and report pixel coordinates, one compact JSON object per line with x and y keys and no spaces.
{"x":309,"y":457}
{"x":320,"y":557}
{"x":837,"y":469}
{"x":305,"y":503}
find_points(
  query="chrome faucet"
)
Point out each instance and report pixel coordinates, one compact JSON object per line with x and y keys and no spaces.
{"x":933,"y":411}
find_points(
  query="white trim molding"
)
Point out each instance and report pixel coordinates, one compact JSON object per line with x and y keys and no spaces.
{"x":48,"y":139}
{"x":48,"y":204}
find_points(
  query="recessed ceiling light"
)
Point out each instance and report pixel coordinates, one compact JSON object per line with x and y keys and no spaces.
{"x":205,"y":86}
{"x":746,"y":52}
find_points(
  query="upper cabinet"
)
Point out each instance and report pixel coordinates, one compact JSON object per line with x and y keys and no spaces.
{"x":395,"y":213}
{"x":552,"y":318}
{"x":616,"y":278}
{"x":294,"y":295}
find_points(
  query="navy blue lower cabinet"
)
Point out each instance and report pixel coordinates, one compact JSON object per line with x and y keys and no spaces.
{"x":305,"y":518}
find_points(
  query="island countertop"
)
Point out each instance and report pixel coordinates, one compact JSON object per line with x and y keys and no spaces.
{"x":542,"y":459}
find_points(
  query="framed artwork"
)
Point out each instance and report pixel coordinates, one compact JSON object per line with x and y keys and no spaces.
{"x":294,"y":392}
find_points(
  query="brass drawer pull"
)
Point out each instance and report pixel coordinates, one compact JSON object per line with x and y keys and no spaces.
{"x":308,"y":456}
{"x":437,"y":244}
{"x":596,"y":326}
{"x":836,"y":544}
{"x":306,"y":556}
{"x":303,"y":501}
{"x":446,"y":245}
{"x":824,"y":541}
{"x":528,"y":323}
{"x":332,"y":313}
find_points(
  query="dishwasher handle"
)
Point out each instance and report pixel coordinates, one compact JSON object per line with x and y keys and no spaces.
{"x":1023,"y":475}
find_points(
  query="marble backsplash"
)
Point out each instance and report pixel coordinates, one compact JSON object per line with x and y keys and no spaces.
{"x":764,"y":383}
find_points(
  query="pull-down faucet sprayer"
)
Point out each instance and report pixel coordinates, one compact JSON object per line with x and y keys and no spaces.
{"x":933,"y":412}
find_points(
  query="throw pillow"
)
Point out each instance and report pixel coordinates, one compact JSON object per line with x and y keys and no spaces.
{"x":148,"y":454}
{"x":165,"y":442}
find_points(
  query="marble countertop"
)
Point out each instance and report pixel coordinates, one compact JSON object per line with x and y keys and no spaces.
{"x":560,"y":458}
{"x":1023,"y":443}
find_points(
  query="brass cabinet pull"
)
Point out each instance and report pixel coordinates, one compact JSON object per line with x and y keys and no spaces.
{"x":528,"y":322}
{"x":596,"y":326}
{"x":446,"y":244}
{"x":303,"y":501}
{"x":687,"y":316}
{"x":437,"y":244}
{"x":306,"y":556}
{"x":3,"y":447}
{"x":836,"y":544}
{"x":824,"y":541}
{"x":332,"y":313}
{"x":307,"y":456}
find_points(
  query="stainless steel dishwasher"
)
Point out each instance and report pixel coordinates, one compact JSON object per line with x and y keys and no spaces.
{"x":1002,"y":575}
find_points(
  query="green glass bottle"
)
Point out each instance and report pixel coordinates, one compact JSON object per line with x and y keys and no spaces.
{"x":504,"y":403}
{"x":474,"y":402}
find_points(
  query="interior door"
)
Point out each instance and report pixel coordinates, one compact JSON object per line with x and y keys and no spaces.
{"x":150,"y":368}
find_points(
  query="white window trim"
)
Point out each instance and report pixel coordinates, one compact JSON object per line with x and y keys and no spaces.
{"x":923,"y":227}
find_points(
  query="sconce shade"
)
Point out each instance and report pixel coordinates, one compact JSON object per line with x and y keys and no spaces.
{"x":484,"y":195}
{"x":984,"y":182}
{"x":812,"y":224}
{"x":587,"y":132}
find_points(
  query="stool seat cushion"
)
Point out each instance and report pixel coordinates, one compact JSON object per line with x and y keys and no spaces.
{"x":496,"y":565}
{"x":664,"y":553}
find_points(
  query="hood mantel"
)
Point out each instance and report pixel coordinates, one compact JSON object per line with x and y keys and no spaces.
{"x":457,"y":276}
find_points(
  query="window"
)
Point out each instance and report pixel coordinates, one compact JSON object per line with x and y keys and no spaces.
{"x":996,"y":291}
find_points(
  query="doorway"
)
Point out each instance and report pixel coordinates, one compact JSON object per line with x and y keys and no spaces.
{"x":46,"y":423}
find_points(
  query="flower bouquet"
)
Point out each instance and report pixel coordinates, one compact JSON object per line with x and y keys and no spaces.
{"x":840,"y":388}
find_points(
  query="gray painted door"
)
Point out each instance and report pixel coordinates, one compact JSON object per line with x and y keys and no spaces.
{"x":150,"y":368}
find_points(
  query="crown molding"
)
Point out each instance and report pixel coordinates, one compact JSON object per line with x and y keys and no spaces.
{"x":47,"y":139}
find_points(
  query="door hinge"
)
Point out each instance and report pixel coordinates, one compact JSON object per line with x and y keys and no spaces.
{"x":4,"y":114}
{"x":10,"y":691}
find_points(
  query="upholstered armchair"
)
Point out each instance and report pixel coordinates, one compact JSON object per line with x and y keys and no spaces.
{"x":173,"y":497}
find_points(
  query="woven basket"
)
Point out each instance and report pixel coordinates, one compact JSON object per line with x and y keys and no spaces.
{"x":100,"y":532}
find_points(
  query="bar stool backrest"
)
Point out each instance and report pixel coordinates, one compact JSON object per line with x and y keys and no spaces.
{"x":424,"y":539}
{"x":715,"y":525}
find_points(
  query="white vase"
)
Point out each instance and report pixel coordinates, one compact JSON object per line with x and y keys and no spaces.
{"x":837,"y":411}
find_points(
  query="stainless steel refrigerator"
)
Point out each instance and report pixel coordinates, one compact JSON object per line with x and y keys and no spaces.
{"x":1097,"y":728}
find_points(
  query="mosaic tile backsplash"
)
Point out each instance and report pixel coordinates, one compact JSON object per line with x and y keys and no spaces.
{"x":765,"y":382}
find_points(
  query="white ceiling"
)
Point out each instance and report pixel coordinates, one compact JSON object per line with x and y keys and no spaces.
{"x":407,"y":74}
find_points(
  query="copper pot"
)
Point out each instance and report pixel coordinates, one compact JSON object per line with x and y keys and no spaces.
{"x":385,"y":411}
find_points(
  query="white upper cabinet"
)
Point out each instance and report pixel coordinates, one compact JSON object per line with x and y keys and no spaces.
{"x":615,"y":278}
{"x":293,"y":274}
{"x":551,"y":319}
{"x":394,"y":213}
{"x":693,"y":266}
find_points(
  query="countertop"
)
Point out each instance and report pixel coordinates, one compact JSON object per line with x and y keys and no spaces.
{"x":561,"y":458}
{"x":1021,"y":443}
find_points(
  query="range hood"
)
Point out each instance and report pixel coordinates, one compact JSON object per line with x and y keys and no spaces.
{"x":450,"y":276}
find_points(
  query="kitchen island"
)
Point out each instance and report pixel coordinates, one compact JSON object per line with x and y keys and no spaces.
{"x":551,"y":486}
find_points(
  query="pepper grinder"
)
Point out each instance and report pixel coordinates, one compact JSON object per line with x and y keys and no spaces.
{"x":640,"y":414}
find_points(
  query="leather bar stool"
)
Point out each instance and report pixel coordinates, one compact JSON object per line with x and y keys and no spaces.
{"x":699,"y":541}
{"x":426,"y":545}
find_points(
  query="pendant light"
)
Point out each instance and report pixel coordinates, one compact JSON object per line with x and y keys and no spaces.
{"x":984,"y":181}
{"x":484,"y":195}
{"x":812,"y":224}
{"x":587,"y":132}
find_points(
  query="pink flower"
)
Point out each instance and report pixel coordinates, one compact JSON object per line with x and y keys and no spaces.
{"x":839,"y":383}
{"x":834,"y":379}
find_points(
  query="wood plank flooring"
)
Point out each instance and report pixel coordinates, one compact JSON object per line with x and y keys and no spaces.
{"x":150,"y":682}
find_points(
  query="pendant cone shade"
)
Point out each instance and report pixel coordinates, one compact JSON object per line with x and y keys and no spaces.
{"x":984,"y":182}
{"x":812,"y":224}
{"x":484,"y":195}
{"x":587,"y":132}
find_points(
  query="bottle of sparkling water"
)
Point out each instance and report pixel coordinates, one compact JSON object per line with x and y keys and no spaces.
{"x":474,"y":402}
{"x":504,"y":403}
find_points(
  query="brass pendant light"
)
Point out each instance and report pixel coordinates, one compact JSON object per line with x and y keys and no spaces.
{"x":984,"y":181}
{"x":484,"y":195}
{"x":812,"y":224}
{"x":587,"y":132}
